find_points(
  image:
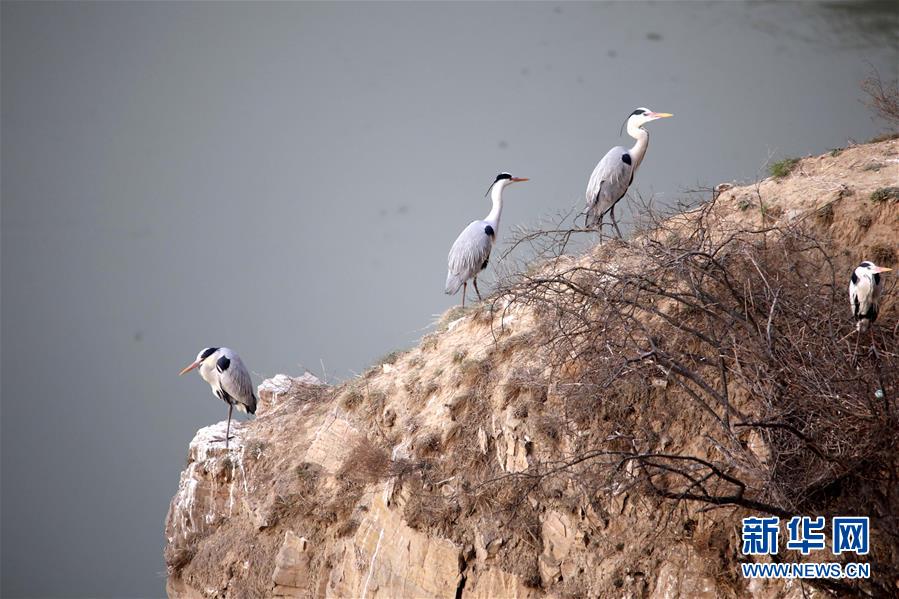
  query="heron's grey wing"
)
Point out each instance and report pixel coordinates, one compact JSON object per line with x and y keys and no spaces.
{"x":608,"y":183}
{"x":469,"y":254}
{"x":235,"y":380}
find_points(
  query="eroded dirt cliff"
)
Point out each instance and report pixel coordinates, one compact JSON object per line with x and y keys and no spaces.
{"x":493,"y":460}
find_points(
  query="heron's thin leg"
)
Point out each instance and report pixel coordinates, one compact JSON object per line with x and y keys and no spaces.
{"x":854,"y":361}
{"x":614,"y":222}
{"x":478,"y":291}
{"x":228,"y":427}
{"x":874,"y":343}
{"x":464,"y":289}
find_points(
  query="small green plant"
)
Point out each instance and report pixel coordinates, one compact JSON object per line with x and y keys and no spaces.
{"x":459,"y":355}
{"x":744,"y":204}
{"x":885,"y":194}
{"x":834,"y":152}
{"x":782,"y":168}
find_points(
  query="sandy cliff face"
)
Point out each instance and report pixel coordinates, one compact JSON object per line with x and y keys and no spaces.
{"x":378,"y":487}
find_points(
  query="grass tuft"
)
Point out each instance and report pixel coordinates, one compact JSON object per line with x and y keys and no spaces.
{"x":885,"y":194}
{"x":390,"y":358}
{"x":882,"y":254}
{"x":782,"y":168}
{"x":351,"y":398}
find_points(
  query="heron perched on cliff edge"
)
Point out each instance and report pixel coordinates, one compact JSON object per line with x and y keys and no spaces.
{"x":865,"y":287}
{"x":471,"y":250}
{"x":223,"y":369}
{"x":615,"y":172}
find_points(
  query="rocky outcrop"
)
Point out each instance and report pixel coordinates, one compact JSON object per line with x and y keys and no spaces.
{"x":381,"y":487}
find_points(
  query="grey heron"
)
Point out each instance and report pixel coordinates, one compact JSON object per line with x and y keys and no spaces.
{"x":865,"y":287}
{"x":225,"y":372}
{"x":615,"y":172}
{"x":471,"y":250}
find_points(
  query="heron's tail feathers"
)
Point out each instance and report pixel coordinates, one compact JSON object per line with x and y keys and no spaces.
{"x":453,"y":283}
{"x":247,"y":408}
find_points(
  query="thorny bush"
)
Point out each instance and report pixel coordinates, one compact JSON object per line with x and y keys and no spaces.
{"x":750,"y":330}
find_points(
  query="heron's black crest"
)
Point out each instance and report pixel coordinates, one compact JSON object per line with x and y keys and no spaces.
{"x":626,"y":158}
{"x":499,"y":177}
{"x":208,"y":352}
{"x":222,"y":364}
{"x":637,"y":112}
{"x":489,"y":231}
{"x":866,"y":264}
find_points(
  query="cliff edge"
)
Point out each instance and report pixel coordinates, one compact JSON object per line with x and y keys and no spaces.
{"x":598,"y":427}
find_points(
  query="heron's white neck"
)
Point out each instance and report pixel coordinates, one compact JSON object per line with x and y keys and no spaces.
{"x":639,"y":149}
{"x":207,"y":369}
{"x":496,"y":195}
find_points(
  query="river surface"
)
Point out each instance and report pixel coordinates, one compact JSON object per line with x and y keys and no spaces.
{"x":286,"y":179}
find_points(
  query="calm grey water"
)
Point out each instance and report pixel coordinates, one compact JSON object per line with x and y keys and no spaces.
{"x":286,"y":179}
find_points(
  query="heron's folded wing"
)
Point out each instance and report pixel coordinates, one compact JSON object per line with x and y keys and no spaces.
{"x":236,"y":382}
{"x":609,"y":181}
{"x":470,"y":250}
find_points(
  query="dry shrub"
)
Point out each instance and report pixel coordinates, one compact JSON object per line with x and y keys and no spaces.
{"x":366,"y":463}
{"x":351,"y":398}
{"x":669,"y":350}
{"x":427,"y":444}
{"x":883,"y":97}
{"x":234,"y":545}
{"x":549,"y":427}
{"x":348,"y":528}
{"x":864,"y":221}
{"x":375,"y":400}
{"x":473,"y":371}
{"x":882,"y":254}
{"x":308,"y":474}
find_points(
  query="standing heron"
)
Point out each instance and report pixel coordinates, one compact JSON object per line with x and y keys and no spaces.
{"x":471,"y":250}
{"x":223,"y":369}
{"x":615,"y":172}
{"x":865,"y":287}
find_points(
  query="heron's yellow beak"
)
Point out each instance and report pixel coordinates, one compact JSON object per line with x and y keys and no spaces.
{"x":189,"y":368}
{"x":882,"y":269}
{"x":661,"y":115}
{"x":519,"y":179}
